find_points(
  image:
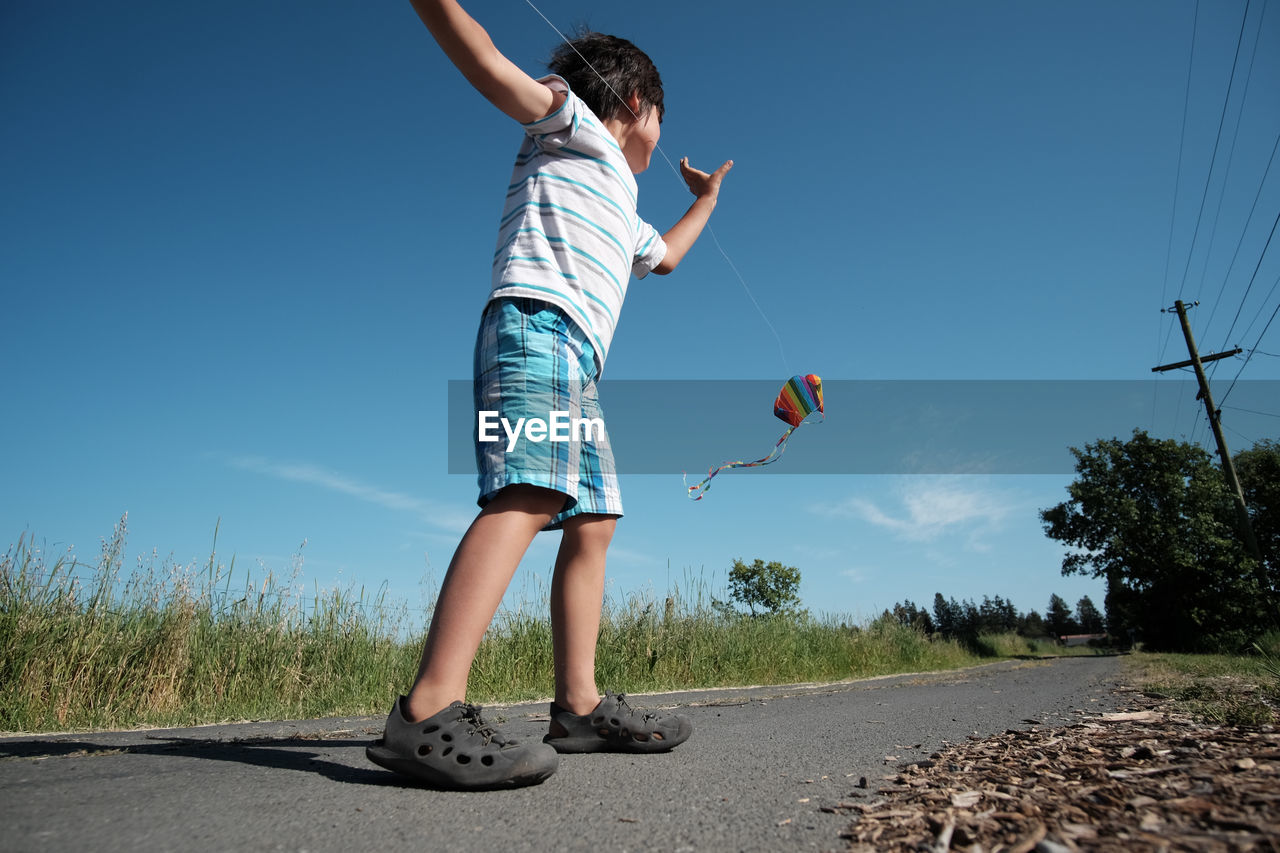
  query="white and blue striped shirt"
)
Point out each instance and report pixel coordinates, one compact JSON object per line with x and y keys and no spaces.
{"x":570,"y":234}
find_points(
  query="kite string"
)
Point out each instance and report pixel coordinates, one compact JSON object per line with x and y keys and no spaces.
{"x":710,"y":231}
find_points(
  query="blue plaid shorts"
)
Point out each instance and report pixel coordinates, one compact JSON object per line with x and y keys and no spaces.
{"x":538,"y":417}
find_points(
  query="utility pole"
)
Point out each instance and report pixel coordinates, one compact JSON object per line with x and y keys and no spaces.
{"x":1242,"y":511}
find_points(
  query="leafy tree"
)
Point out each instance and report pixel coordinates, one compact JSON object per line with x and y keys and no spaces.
{"x":1153,"y":517}
{"x":1057,"y":617}
{"x":1258,"y":470}
{"x":1088,"y":616}
{"x":771,"y":587}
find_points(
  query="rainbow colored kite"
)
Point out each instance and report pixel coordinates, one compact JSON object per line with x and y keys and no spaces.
{"x":798,"y":400}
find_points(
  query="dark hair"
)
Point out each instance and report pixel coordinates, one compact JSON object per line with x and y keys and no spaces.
{"x":603,"y":69}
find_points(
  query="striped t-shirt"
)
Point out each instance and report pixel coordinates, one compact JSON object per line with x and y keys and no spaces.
{"x":570,"y":234}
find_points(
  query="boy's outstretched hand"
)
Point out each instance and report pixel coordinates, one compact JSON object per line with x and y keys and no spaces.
{"x":682,"y":235}
{"x":699,"y":182}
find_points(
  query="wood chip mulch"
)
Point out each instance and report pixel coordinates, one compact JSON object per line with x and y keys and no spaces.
{"x":1139,"y":780}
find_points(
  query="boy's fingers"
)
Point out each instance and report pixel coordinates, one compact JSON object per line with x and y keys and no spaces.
{"x":724,"y":167}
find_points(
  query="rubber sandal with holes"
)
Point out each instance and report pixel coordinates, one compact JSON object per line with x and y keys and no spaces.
{"x":457,"y":749}
{"x":614,"y":726}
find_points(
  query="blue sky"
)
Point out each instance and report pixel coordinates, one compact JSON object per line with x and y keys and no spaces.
{"x":244,"y":248}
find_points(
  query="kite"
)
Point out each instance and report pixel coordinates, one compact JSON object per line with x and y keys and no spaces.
{"x":797,"y":402}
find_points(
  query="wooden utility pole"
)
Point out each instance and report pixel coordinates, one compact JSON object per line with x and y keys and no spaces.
{"x":1242,"y":511}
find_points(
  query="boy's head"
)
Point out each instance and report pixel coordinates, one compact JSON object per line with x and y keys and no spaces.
{"x":613,"y":69}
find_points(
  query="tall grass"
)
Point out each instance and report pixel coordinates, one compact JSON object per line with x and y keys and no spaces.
{"x":683,"y":641}
{"x":168,"y":645}
{"x":87,"y":646}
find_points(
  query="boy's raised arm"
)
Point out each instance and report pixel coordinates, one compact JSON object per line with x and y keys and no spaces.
{"x":681,"y":237}
{"x":469,"y":48}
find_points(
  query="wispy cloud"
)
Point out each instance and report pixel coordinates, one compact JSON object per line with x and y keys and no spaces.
{"x":439,"y":516}
{"x":932,"y":507}
{"x":858,"y":576}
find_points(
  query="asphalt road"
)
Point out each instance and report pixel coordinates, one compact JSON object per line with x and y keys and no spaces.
{"x":760,"y":765}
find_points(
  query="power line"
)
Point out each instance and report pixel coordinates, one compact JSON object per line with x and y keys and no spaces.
{"x":1262,"y":307}
{"x":1231,"y":156}
{"x":1254,"y":278}
{"x":1242,"y":435}
{"x":1243,"y":232}
{"x":1213,"y":158}
{"x":1255,"y":346}
{"x":1251,"y":411}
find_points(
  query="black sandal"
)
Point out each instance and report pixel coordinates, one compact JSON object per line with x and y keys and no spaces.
{"x":614,"y":726}
{"x":457,"y":749}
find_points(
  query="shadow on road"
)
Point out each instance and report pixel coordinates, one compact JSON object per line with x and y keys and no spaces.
{"x":287,"y":753}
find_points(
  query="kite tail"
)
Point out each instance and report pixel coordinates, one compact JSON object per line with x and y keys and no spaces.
{"x":699,"y":489}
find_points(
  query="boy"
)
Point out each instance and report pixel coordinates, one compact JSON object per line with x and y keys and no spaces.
{"x":568,"y":241}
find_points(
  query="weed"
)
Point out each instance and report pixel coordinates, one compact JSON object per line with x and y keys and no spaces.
{"x":94,"y":647}
{"x":1236,"y":690}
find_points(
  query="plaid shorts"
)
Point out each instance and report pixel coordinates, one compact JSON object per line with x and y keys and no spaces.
{"x":533,"y":366}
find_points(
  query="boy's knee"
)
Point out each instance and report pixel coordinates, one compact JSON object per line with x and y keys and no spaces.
{"x":590,"y":530}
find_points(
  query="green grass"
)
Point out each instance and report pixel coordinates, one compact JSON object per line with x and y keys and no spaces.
{"x":682,"y":641}
{"x":1016,"y":646}
{"x":170,"y":646}
{"x":87,"y":647}
{"x":1238,"y":690}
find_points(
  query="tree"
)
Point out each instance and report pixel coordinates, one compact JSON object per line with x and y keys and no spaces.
{"x":956,"y":620}
{"x":1154,"y":518}
{"x":996,"y":616}
{"x":1088,"y":616}
{"x":1258,"y":470}
{"x":911,"y":616}
{"x":944,"y":615}
{"x":1057,"y":617}
{"x":968,"y":622}
{"x":1032,"y":625}
{"x":771,"y":587}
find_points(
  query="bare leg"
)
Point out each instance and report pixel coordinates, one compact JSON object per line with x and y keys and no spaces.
{"x":473,"y":587}
{"x":577,"y":593}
